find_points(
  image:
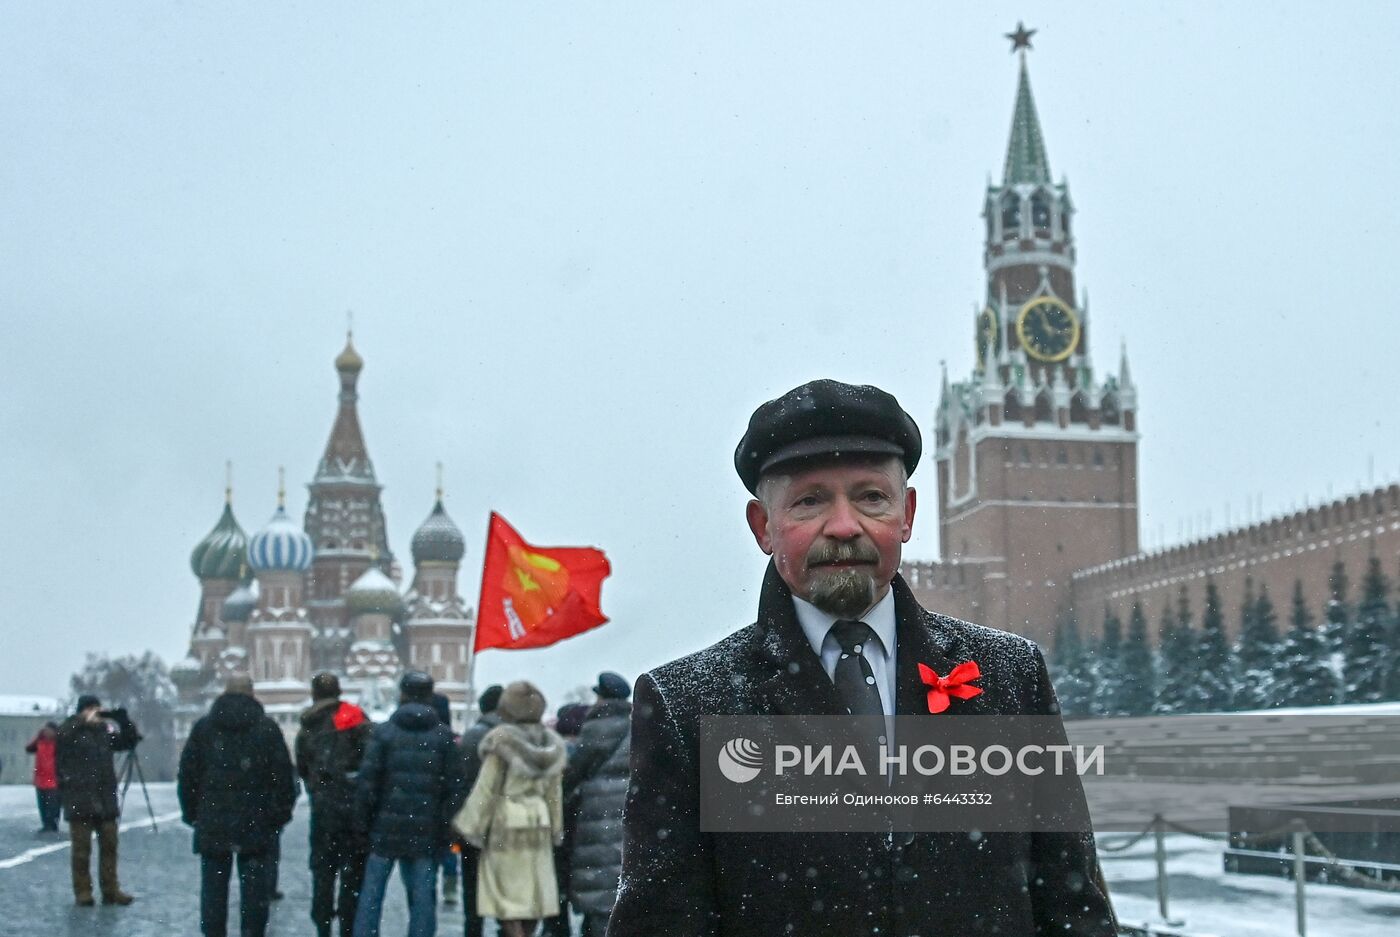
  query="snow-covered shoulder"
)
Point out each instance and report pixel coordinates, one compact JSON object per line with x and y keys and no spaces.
{"x":704,"y":679}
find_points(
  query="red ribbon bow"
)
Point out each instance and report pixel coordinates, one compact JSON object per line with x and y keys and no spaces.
{"x":955,"y":684}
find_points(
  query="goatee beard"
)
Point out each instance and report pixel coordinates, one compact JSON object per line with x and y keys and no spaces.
{"x":845,"y":593}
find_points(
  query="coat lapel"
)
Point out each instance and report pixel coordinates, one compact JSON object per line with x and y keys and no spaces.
{"x":924,"y":638}
{"x":796,"y":684}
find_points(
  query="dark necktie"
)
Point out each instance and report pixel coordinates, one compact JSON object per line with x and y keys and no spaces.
{"x":855,"y":682}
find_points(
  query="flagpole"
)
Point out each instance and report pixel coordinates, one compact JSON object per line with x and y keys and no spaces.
{"x":481,"y":592}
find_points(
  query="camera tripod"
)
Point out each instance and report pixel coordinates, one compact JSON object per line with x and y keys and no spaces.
{"x":131,"y":768}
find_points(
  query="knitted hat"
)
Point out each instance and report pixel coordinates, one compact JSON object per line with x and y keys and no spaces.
{"x":489,"y":697}
{"x":325,"y":685}
{"x":521,"y":701}
{"x":87,"y":701}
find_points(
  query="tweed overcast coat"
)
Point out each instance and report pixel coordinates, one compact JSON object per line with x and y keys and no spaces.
{"x":680,"y":882}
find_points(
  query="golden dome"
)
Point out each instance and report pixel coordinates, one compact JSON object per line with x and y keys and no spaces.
{"x":349,"y":359}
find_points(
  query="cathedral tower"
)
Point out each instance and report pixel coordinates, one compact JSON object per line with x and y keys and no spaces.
{"x":344,"y":520}
{"x":1036,"y":452}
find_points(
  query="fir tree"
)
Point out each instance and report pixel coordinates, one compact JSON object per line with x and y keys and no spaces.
{"x":1212,"y":670}
{"x":1139,"y":670}
{"x":1366,"y":662}
{"x":1180,"y":691}
{"x":1305,"y":674}
{"x":1074,"y":685}
{"x":1108,"y":668}
{"x":1169,"y":671}
{"x":1257,"y":653}
{"x":1337,"y":624}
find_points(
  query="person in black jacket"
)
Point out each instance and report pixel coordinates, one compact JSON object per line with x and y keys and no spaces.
{"x":471,"y":767}
{"x":236,"y":789}
{"x":595,"y":790}
{"x":838,"y":632}
{"x":87,"y":787}
{"x":409,"y":787}
{"x":329,"y":748}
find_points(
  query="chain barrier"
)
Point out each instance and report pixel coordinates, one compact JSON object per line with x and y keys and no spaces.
{"x":1346,"y":873}
{"x":1130,"y":843}
{"x":1335,"y":865}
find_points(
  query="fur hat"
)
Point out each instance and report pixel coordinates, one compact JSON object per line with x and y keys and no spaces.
{"x":239,"y":683}
{"x":521,"y":701}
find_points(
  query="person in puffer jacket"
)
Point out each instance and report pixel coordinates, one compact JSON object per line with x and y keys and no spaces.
{"x":595,"y":786}
{"x":409,"y":787}
{"x":515,"y":814}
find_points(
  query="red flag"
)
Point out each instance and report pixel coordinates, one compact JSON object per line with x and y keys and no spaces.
{"x":534,"y":596}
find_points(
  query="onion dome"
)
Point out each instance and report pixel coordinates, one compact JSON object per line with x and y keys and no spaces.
{"x":187,"y":674}
{"x":349,"y":359}
{"x":241,"y":602}
{"x":281,"y":546}
{"x":374,"y":594}
{"x":438,"y":539}
{"x":220,"y":554}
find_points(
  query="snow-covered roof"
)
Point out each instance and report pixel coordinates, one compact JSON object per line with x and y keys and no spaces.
{"x":30,"y":706}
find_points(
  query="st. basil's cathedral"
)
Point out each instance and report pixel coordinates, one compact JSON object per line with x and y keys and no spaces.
{"x":294,"y":600}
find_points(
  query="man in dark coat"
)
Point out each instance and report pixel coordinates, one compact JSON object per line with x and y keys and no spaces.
{"x":471,"y":767}
{"x":87,"y":787}
{"x":838,"y":632}
{"x":595,"y":790}
{"x":329,"y":748}
{"x":237,"y":790}
{"x":409,"y":787}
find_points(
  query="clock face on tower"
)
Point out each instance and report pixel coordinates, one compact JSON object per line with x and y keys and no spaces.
{"x":986,"y":336}
{"x":1048,"y":329}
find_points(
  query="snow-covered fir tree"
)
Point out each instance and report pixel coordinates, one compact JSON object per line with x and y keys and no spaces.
{"x":1336,"y":623}
{"x":1213,"y":671}
{"x":1368,"y":658}
{"x":1108,"y":668}
{"x":1257,"y":652}
{"x":1139,"y":669}
{"x":1179,"y":691}
{"x":1074,"y":684}
{"x":1305,"y":676}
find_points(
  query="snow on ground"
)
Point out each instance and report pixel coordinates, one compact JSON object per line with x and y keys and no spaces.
{"x":1212,"y":901}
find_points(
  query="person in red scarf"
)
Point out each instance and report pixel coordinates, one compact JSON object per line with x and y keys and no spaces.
{"x":46,"y":776}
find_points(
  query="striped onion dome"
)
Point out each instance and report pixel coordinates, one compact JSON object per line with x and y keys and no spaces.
{"x":374,"y":594}
{"x":281,"y":546}
{"x":220,"y":554}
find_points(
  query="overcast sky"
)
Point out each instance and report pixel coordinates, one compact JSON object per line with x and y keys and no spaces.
{"x":583,"y":241}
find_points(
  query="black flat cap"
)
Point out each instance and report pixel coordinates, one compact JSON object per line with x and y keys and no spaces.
{"x":826,"y":418}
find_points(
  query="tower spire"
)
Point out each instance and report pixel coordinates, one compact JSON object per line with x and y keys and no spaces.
{"x":281,"y":487}
{"x":228,"y":482}
{"x":1026,"y":161}
{"x":439,"y":482}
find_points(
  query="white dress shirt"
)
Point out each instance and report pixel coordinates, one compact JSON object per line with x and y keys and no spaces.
{"x":880,"y":655}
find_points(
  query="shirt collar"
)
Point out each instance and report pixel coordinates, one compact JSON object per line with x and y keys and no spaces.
{"x":816,"y":623}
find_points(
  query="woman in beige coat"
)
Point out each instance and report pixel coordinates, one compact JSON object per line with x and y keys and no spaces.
{"x":514,"y":814}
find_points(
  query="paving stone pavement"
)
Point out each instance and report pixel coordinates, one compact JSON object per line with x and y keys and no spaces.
{"x":36,"y":896}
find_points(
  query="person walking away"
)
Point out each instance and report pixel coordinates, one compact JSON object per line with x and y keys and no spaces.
{"x":568,"y":720}
{"x":87,"y":786}
{"x":45,"y":776}
{"x":471,"y":767}
{"x":329,"y":748}
{"x":447,"y":863}
{"x":409,"y":787}
{"x":236,"y":789}
{"x":595,"y":787}
{"x":515,"y":814}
